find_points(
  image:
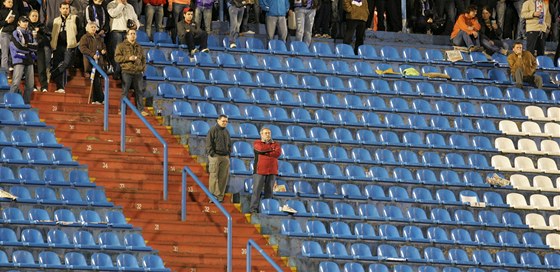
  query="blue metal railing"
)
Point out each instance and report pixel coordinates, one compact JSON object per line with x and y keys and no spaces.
{"x":105,"y":92}
{"x":252,"y":243}
{"x":125,"y":102}
{"x":187,"y":170}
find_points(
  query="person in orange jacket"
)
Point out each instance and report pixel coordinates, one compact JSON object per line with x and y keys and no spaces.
{"x":465,"y":30}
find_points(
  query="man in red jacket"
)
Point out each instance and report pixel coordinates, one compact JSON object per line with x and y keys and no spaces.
{"x":267,"y":152}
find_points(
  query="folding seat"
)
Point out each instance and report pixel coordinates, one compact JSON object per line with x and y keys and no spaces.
{"x":393,"y":213}
{"x":24,"y":259}
{"x":403,"y":175}
{"x":553,"y":240}
{"x":435,"y":56}
{"x":399,"y":105}
{"x":513,"y":112}
{"x":502,"y":163}
{"x":355,"y":172}
{"x":127,"y":262}
{"x":547,"y":165}
{"x":426,"y":89}
{"x":291,"y":227}
{"x":435,"y":140}
{"x":110,"y":241}
{"x":308,"y":99}
{"x":116,"y":219}
{"x":291,"y":152}
{"x":261,"y":96}
{"x":554,"y":112}
{"x":296,"y":133}
{"x":513,"y":220}
{"x":546,"y":63}
{"x":318,"y":66}
{"x":509,"y":239}
{"x":37,"y":156}
{"x":180,"y":58}
{"x":278,"y":114}
{"x":465,"y":217}
{"x":363,"y":69}
{"x":102,"y":261}
{"x":204,"y":59}
{"x":388,"y":252}
{"x":389,"y":232}
{"x":517,"y":201}
{"x":441,"y":216}
{"x":322,"y":49}
{"x":458,"y":141}
{"x":539,"y":96}
{"x":338,"y":154}
{"x":96,"y":197}
{"x":344,"y":211}
{"x":438,"y":235}
{"x":487,"y":126}
{"x":339,"y":67}
{"x":358,"y":85}
{"x":541,"y":202}
{"x":333,"y":172}
{"x":238,"y":167}
{"x":478,"y":161}
{"x":376,"y":103}
{"x":156,"y":56}
{"x":411,"y":254}
{"x":153,"y":263}
{"x":312,"y":82}
{"x":450,"y":177}
{"x":84,"y":239}
{"x":162,"y":39}
{"x":485,"y":238}
{"x":197,"y":75}
{"x":231,"y":111}
{"x":385,"y":156}
{"x":21,"y":138}
{"x":381,"y":86}
{"x":552,"y":260}
{"x":70,"y":196}
{"x":516,"y":94}
{"x":411,"y":54}
{"x":414,"y":234}
{"x":375,"y":192}
{"x":12,"y":155}
{"x":458,"y":256}
{"x":408,"y":158}
{"x":353,"y":102}
{"x":484,"y":258}
{"x":365,"y":231}
{"x":455,"y":74}
{"x":507,"y":259}
{"x":483,"y":143}
{"x":337,"y":250}
{"x":552,"y":129}
{"x":432,"y":159}
{"x":343,"y":135}
{"x":389,"y":138}
{"x":328,"y":190}
{"x":336,"y":84}
{"x":312,"y":249}
{"x":440,"y":123}
{"x":284,"y":97}
{"x":427,"y":176}
{"x":366,"y":137}
{"x":533,"y":240}
{"x":389,"y":53}
{"x":241,"y":77}
{"x":367,"y":51}
{"x":433,"y":255}
{"x":255,"y":45}
{"x":531,"y":260}
{"x":537,"y":221}
{"x":456,"y":160}
{"x":13,"y":215}
{"x":278,"y":47}
{"x":299,"y":207}
{"x":380,"y":174}
{"x":325,"y":117}
{"x":393,"y":120}
{"x":320,"y":134}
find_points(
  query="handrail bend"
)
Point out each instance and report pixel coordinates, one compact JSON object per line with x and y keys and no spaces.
{"x":125,"y":102}
{"x":187,"y":170}
{"x":105,"y":92}
{"x":251,"y":243}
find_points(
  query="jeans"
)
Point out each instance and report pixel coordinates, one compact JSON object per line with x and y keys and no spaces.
{"x":464,"y":39}
{"x":519,"y":78}
{"x":536,"y":42}
{"x":261,"y":182}
{"x":493,"y":45}
{"x":500,"y":14}
{"x":135,"y":81}
{"x":5,"y":43}
{"x":218,"y":170}
{"x":235,"y":18}
{"x":19,"y":71}
{"x":197,"y":37}
{"x":62,"y":58}
{"x":357,"y":26}
{"x":276,"y":22}
{"x":153,"y":13}
{"x":115,"y":37}
{"x":207,"y":14}
{"x":304,"y":24}
{"x":43,"y":60}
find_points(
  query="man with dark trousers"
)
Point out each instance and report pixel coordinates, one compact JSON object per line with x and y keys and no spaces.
{"x":267,"y":152}
{"x":356,"y":16}
{"x":218,"y":148}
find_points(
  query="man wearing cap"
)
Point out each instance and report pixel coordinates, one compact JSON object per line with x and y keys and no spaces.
{"x":189,"y":33}
{"x":22,"y":48}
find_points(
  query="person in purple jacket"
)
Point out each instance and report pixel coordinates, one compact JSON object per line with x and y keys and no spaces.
{"x":22,"y":49}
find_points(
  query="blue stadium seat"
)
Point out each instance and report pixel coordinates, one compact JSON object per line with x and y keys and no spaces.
{"x":368,"y":52}
{"x":308,"y":99}
{"x":325,"y":117}
{"x":312,"y":82}
{"x":358,"y":85}
{"x":400,"y":105}
{"x":24,"y":259}
{"x":14,"y":100}
{"x":345,"y":211}
{"x":479,"y":59}
{"x":328,"y":190}
{"x":255,"y":45}
{"x":339,"y":67}
{"x":507,"y":259}
{"x":196,"y":75}
{"x":102,"y":261}
{"x":273,"y":63}
{"x":241,"y":77}
{"x":65,"y":217}
{"x":199,"y":128}
{"x":308,"y":170}
{"x":341,"y":230}
{"x":423,"y":195}
{"x":546,"y":63}
{"x":63,"y":157}
{"x":322,"y":50}
{"x":403,"y":175}
{"x":485,"y":238}
{"x":512,"y":219}
{"x":408,"y":158}
{"x":337,"y":250}
{"x":393,"y":213}
{"x":316,"y":228}
{"x":70,"y":196}
{"x":296,"y":65}
{"x":438,"y":235}
{"x":116,"y":219}
{"x":362,"y":252}
{"x":351,"y":191}
{"x":389,"y":232}
{"x":314,"y":153}
{"x":50,"y":260}
{"x":153,"y":263}
{"x":467,"y":109}
{"x":411,"y":54}
{"x":320,"y":134}
{"x":253,"y":112}
{"x":297,"y":133}
{"x":434,"y":255}
{"x":355,"y":172}
{"x":30,"y":176}
{"x":96,"y":197}
{"x":364,"y":69}
{"x":369,"y":212}
{"x":531,"y":260}
{"x":214,"y":93}
{"x":395,"y":121}
{"x":435,"y":56}
{"x":365,"y":231}
{"x":238,"y":167}
{"x":415,"y":214}
{"x":483,"y":257}
{"x":462,"y":236}
{"x":539,"y":96}
{"x":459,"y":256}
{"x":458,"y":141}
{"x":300,"y":48}
{"x":167,"y":90}
{"x":343,"y":135}
{"x":333,"y":83}
{"x":204,"y":59}
{"x":76,"y":260}
{"x":440,"y":215}
{"x":533,"y":240}
{"x":285,"y":98}
{"x":143,"y":39}
{"x":278,"y":47}
{"x":312,"y":249}
{"x":266,"y":79}
{"x":388,"y":252}
{"x":328,"y":267}
{"x":414,"y":234}
{"x":126,"y":261}
{"x":22,"y":194}
{"x":390,"y":53}
{"x":110,"y":241}
{"x":156,"y":56}
{"x":299,"y":207}
{"x":162,"y":39}
{"x":345,"y":51}
{"x":250,"y":61}
{"x":181,"y":58}
{"x":318,"y":66}
{"x":13,"y":215}
{"x":552,"y":260}
{"x":338,"y":154}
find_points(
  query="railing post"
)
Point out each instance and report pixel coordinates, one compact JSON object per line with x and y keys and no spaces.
{"x":105,"y":92}
{"x":123,"y":122}
{"x":251,"y":243}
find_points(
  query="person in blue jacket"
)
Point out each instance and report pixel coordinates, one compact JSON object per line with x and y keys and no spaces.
{"x":276,"y":11}
{"x":22,"y":49}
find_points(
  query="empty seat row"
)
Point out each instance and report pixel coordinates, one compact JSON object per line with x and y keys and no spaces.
{"x":394,"y":213}
{"x":528,"y":146}
{"x":537,"y":113}
{"x":539,"y":183}
{"x":24,"y":118}
{"x":23,"y":138}
{"x":64,"y":217}
{"x":530,"y":128}
{"x":68,"y":196}
{"x":81,"y":239}
{"x":37,"y":156}
{"x":412,"y":234}
{"x":22,"y":259}
{"x":537,"y":221}
{"x":53,"y":177}
{"x":350,"y":266}
{"x":536,"y":202}
{"x":525,"y":164}
{"x":434,"y":255}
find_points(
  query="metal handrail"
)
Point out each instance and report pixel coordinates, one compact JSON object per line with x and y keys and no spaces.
{"x":187,"y":170}
{"x":125,"y":102}
{"x":105,"y":92}
{"x":261,"y":251}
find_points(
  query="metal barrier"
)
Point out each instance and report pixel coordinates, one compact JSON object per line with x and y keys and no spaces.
{"x":125,"y":102}
{"x":105,"y":92}
{"x":187,"y":170}
{"x":261,"y":251}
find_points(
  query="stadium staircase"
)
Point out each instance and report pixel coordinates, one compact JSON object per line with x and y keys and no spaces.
{"x":133,"y":180}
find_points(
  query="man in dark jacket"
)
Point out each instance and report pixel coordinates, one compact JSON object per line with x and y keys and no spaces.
{"x":523,"y":66}
{"x":356,"y":16}
{"x":130,"y":56}
{"x":92,"y":45}
{"x":22,"y":48}
{"x":190,"y":33}
{"x":218,"y":148}
{"x":267,"y":152}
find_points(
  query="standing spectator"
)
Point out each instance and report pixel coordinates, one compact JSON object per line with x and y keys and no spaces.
{"x":22,"y":49}
{"x":154,"y":13}
{"x":43,"y":49}
{"x":376,"y":7}
{"x":322,"y":25}
{"x":130,"y":56}
{"x":236,"y":8}
{"x":501,"y":14}
{"x":393,"y":14}
{"x":250,"y":6}
{"x":218,"y":148}
{"x":92,"y":45}
{"x":204,"y":9}
{"x":121,"y":13}
{"x":276,"y":11}
{"x":267,"y":152}
{"x":8,"y":23}
{"x":65,"y":33}
{"x":537,"y":20}
{"x":97,"y":13}
{"x":523,"y":66}
{"x":356,"y":17}
{"x":176,"y":7}
{"x":490,"y":33}
{"x":465,"y":31}
{"x":26,"y":6}
{"x":423,"y":18}
{"x":190,"y":33}
{"x":305,"y":17}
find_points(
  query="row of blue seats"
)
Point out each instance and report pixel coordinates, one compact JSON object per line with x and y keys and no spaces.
{"x":99,"y":261}
{"x":19,"y":137}
{"x":433,"y":255}
{"x":345,"y":118}
{"x":51,"y":177}
{"x":68,"y":196}
{"x":329,"y":266}
{"x":342,"y":210}
{"x":37,"y":156}
{"x":298,"y":98}
{"x":414,"y":234}
{"x":81,"y":239}
{"x":25,"y":118}
{"x":65,"y":218}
